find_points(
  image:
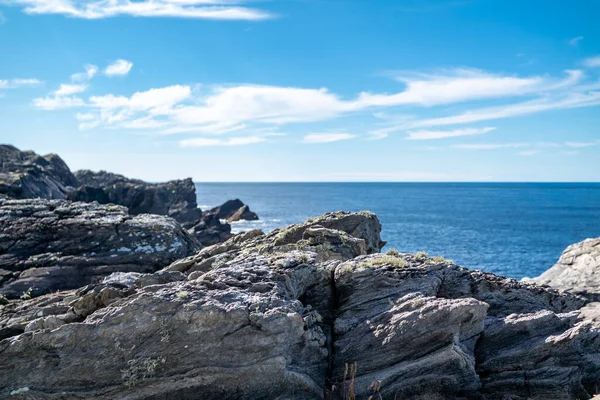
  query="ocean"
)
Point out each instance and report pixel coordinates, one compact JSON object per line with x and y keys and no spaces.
{"x":510,"y":229}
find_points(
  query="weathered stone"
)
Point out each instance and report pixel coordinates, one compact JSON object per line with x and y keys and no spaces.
{"x":261,"y":316}
{"x":176,"y":199}
{"x":577,"y":270}
{"x":50,"y":245}
{"x":233,"y":210}
{"x":24,"y":174}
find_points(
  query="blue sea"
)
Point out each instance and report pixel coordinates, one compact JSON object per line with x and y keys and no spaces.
{"x":511,"y":229}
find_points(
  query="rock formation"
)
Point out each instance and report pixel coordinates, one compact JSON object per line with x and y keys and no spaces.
{"x":576,"y":271}
{"x":307,"y":312}
{"x":233,"y":210}
{"x":49,"y":245}
{"x":24,"y":174}
{"x":176,"y":199}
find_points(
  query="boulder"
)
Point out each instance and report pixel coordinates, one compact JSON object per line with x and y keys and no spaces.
{"x":233,"y":210}
{"x":25,"y":174}
{"x":308,"y":312}
{"x":176,"y":199}
{"x":577,"y":270}
{"x":49,"y":245}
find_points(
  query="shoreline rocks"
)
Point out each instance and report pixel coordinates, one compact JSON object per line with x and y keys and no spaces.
{"x":49,"y":245}
{"x":24,"y":174}
{"x":233,"y":210}
{"x":576,"y":271}
{"x":311,"y":311}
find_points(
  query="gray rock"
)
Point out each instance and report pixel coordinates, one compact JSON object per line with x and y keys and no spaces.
{"x":176,"y":199}
{"x":24,"y":174}
{"x":577,"y":270}
{"x":50,"y":245}
{"x":233,"y":210}
{"x":264,"y":316}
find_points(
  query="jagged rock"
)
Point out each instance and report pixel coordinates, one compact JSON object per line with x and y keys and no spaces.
{"x":233,"y":210}
{"x":100,"y":179}
{"x":176,"y":199}
{"x":24,"y":174}
{"x":50,"y":245}
{"x":272,"y":316}
{"x":210,"y":230}
{"x":577,"y":270}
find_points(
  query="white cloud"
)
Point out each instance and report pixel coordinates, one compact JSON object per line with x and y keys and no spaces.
{"x":592,"y":62}
{"x":97,"y":9}
{"x":90,"y":72}
{"x":570,"y":100}
{"x":490,"y":146}
{"x":118,"y":68}
{"x":327,"y":137}
{"x":66,"y":89}
{"x":461,"y":85}
{"x":582,"y":144}
{"x":234,"y":141}
{"x":230,"y":108}
{"x":427,"y":135}
{"x":56,"y":103}
{"x":528,"y":152}
{"x":18,"y":82}
{"x":575,"y":41}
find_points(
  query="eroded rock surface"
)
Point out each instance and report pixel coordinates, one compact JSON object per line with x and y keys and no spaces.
{"x":176,"y":199}
{"x":307,"y":312}
{"x":577,"y":270}
{"x":50,"y":245}
{"x":233,"y":210}
{"x":25,"y":174}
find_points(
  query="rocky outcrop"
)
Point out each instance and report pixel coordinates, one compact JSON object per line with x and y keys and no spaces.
{"x":49,"y":245}
{"x":24,"y":174}
{"x":233,"y":210}
{"x":307,"y":312}
{"x":577,"y":270}
{"x":210,"y":230}
{"x":176,"y":199}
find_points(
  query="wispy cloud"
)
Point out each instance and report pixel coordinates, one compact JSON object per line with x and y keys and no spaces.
{"x":90,"y":72}
{"x":2,"y":18}
{"x":18,"y":82}
{"x":98,"y":9}
{"x":118,"y":68}
{"x":592,"y":62}
{"x":327,"y":137}
{"x":429,"y":135}
{"x":490,"y":146}
{"x":582,"y":144}
{"x":66,"y":89}
{"x":528,"y":152}
{"x":208,"y":142}
{"x":228,"y":108}
{"x":570,"y":100}
{"x":575,"y":41}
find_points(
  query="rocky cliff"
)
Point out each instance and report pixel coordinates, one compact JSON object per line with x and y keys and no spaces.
{"x":24,"y":174}
{"x":176,"y":199}
{"x":311,"y":311}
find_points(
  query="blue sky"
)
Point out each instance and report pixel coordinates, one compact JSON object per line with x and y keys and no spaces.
{"x":306,"y":90}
